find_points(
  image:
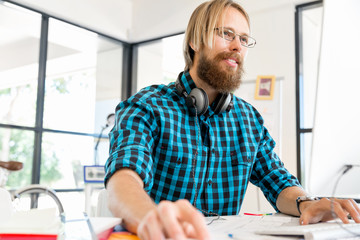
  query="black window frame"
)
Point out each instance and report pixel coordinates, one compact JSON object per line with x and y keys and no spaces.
{"x":300,"y":131}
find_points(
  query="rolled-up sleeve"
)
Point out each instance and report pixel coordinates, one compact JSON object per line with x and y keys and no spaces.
{"x":269,"y":172}
{"x":132,"y":140}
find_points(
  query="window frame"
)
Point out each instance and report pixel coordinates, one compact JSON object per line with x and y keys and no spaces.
{"x":300,"y":131}
{"x":38,"y":128}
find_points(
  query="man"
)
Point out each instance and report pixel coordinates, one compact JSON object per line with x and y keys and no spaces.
{"x":191,"y":147}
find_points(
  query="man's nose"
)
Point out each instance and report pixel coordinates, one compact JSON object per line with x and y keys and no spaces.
{"x":236,"y":45}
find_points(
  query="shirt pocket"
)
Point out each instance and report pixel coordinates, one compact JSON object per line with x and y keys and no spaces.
{"x":237,"y":167}
{"x":174,"y":158}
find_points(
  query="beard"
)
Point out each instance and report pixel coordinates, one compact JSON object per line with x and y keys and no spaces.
{"x":222,"y":80}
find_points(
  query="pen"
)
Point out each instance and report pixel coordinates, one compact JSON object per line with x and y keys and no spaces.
{"x":230,"y":235}
{"x":258,"y":214}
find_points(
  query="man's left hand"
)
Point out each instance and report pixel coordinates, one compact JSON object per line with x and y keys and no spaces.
{"x":325,"y":209}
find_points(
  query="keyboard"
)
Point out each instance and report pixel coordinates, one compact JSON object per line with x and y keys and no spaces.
{"x":318,"y":231}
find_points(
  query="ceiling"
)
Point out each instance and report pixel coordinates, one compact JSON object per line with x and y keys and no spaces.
{"x":135,"y":20}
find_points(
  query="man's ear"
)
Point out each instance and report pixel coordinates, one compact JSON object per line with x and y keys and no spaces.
{"x":192,"y":47}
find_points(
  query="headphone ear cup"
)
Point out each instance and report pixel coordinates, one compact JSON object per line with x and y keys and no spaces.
{"x":224,"y":103}
{"x":198,"y":100}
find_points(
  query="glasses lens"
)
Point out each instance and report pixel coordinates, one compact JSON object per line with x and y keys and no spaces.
{"x":250,"y":43}
{"x":244,"y":40}
{"x":226,"y":33}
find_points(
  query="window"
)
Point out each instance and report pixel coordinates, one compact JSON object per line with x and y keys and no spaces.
{"x":81,"y":87}
{"x":309,"y":26}
{"x":19,"y":47}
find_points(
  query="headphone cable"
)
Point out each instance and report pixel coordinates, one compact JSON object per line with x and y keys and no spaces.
{"x":193,"y":171}
{"x":347,"y":168}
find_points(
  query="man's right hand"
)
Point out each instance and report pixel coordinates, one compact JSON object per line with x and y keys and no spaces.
{"x":174,"y":220}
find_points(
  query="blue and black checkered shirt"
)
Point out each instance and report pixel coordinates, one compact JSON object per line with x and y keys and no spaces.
{"x":156,"y":135}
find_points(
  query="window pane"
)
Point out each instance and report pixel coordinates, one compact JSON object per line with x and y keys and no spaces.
{"x":311,"y":36}
{"x":83,"y":79}
{"x":166,"y":58}
{"x":19,"y":48}
{"x":306,"y":145}
{"x":16,"y":145}
{"x":63,"y":158}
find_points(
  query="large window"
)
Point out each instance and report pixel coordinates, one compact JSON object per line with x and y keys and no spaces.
{"x":19,"y":47}
{"x":58,"y":85}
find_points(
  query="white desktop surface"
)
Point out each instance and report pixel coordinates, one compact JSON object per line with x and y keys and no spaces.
{"x":246,"y":227}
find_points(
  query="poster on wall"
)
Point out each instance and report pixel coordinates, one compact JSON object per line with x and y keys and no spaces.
{"x":265,"y":87}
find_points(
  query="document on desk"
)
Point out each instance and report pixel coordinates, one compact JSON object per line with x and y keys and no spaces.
{"x":276,"y":227}
{"x":245,"y":227}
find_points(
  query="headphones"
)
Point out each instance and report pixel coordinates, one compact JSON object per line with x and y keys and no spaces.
{"x":198,"y":101}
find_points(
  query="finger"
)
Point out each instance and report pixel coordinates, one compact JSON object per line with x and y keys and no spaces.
{"x":195,"y":218}
{"x":337,"y":208}
{"x":308,"y":217}
{"x":189,"y":230}
{"x":169,"y":217}
{"x":150,"y":227}
{"x":357,"y":206}
{"x":142,"y":232}
{"x":353,"y":210}
{"x":313,"y":213}
{"x":304,"y":219}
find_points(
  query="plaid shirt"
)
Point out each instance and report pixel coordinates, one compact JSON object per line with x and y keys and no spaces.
{"x":156,"y":135}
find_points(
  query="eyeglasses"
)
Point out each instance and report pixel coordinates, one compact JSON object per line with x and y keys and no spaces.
{"x":230,"y":35}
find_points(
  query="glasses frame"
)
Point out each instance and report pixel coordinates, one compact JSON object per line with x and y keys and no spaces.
{"x":235,"y":34}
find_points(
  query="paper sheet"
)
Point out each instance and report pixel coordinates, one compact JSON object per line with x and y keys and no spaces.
{"x":244,"y":227}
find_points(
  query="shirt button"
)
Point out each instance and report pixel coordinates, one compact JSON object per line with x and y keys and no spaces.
{"x":178,"y":162}
{"x":213,"y":150}
{"x":209,"y":182}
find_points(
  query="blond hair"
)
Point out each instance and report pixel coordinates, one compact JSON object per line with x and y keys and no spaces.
{"x":205,"y":17}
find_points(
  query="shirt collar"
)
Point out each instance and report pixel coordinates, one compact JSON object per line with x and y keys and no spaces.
{"x":187,"y":82}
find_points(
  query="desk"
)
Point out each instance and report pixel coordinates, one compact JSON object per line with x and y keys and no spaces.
{"x":241,"y":227}
{"x":246,"y":227}
{"x":97,"y":228}
{"x":237,"y":227}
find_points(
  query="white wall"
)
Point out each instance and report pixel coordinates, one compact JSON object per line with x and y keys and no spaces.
{"x":274,"y":54}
